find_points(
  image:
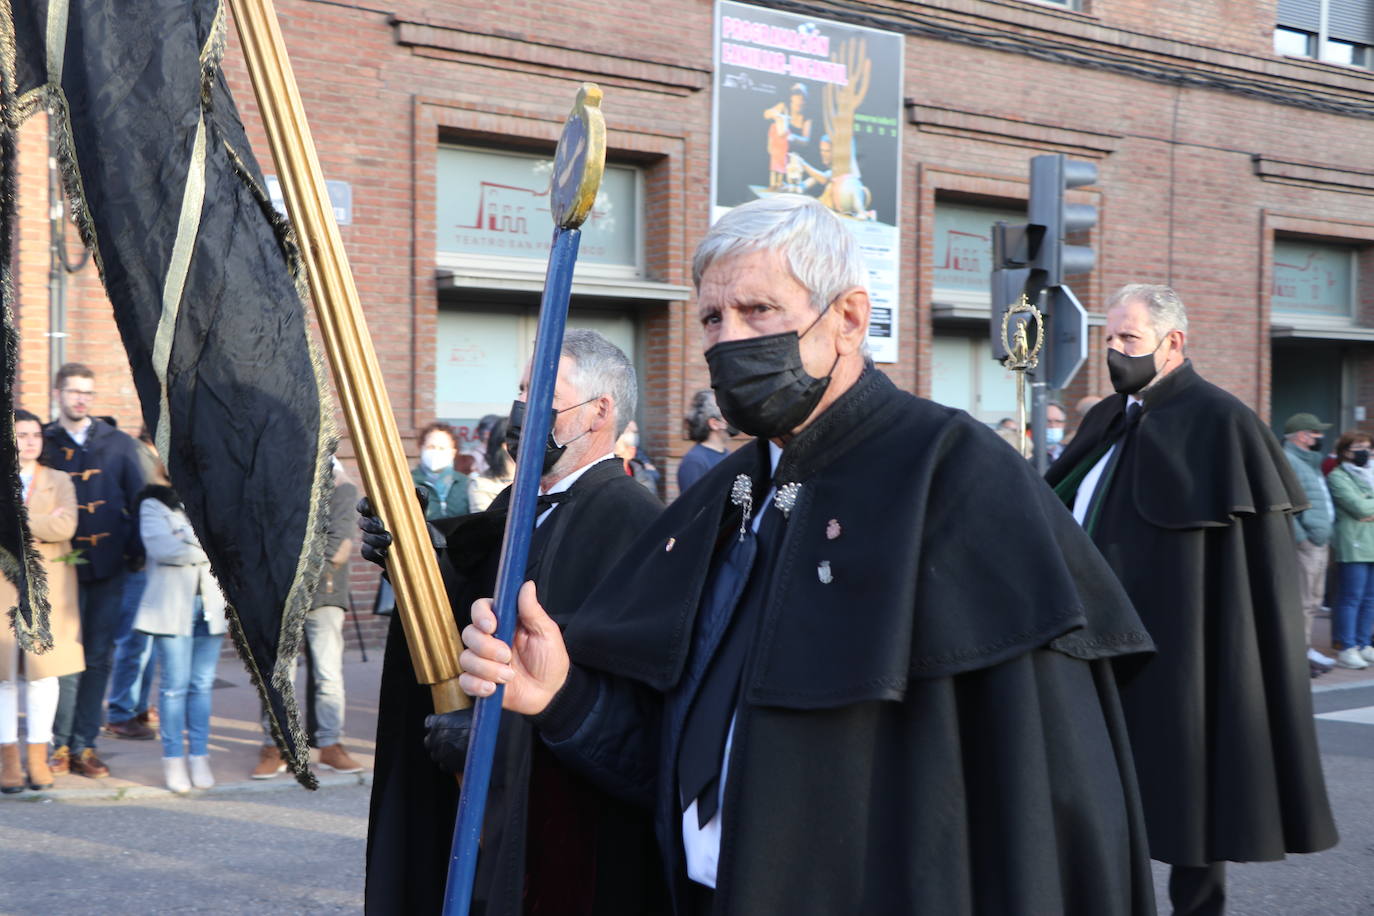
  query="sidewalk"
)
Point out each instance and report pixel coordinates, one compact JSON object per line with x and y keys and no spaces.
{"x":235,"y":736}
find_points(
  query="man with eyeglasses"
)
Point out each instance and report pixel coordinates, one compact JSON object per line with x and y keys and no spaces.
{"x":548,"y":834}
{"x":103,"y":464}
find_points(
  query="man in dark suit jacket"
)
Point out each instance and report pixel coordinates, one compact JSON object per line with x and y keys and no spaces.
{"x":104,"y":465}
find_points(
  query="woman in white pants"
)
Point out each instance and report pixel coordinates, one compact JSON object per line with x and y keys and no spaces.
{"x":50,"y":506}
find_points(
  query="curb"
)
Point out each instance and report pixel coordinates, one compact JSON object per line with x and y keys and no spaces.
{"x":1352,"y":685}
{"x":135,"y":793}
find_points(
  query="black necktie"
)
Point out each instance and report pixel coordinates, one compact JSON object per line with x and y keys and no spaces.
{"x":708,"y":720}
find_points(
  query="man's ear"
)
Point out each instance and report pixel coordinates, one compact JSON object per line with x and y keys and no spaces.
{"x":1179,"y":339}
{"x":605,"y":412}
{"x":851,"y":314}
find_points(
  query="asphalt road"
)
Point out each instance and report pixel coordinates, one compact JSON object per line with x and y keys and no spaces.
{"x":1339,"y":881}
{"x":285,"y":850}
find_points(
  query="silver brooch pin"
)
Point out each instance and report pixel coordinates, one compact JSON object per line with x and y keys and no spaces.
{"x":672,"y":542}
{"x":786,"y":497}
{"x":823,"y":573}
{"x":832,"y":529}
{"x":742,"y":495}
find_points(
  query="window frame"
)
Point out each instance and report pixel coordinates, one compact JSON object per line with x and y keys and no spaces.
{"x":1361,"y":56}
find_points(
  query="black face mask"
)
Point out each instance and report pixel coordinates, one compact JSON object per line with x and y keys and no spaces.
{"x":1316,"y":445}
{"x":1132,"y":373}
{"x":761,"y":386}
{"x":1360,"y":457}
{"x":552,"y":450}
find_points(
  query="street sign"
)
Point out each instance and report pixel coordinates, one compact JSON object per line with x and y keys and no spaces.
{"x":1067,"y":342}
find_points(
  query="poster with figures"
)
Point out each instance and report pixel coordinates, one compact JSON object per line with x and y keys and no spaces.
{"x":810,"y":106}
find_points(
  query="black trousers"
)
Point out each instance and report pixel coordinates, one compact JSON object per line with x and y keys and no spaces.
{"x":1198,"y":890}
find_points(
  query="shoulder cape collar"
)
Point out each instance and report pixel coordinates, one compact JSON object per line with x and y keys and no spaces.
{"x":853,"y":416}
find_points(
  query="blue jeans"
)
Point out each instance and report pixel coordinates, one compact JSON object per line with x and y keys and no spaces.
{"x":188,"y":676}
{"x":1354,"y":613}
{"x":132,"y":682}
{"x":79,"y":712}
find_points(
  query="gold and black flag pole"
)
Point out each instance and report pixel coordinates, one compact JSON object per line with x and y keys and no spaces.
{"x":421,"y":602}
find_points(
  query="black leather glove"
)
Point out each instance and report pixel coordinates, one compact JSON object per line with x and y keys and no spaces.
{"x":377,"y":540}
{"x":447,"y":739}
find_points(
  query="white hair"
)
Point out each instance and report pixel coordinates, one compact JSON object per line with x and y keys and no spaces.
{"x":819,"y":250}
{"x":1165,"y":308}
{"x":603,"y":369}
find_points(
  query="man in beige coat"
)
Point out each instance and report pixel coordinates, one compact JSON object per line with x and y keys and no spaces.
{"x":50,"y":504}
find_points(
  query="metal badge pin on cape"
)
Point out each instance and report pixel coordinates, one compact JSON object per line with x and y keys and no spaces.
{"x":669,"y":546}
{"x":832,"y":529}
{"x":823,"y":572}
{"x":787,"y":498}
{"x":742,"y":495}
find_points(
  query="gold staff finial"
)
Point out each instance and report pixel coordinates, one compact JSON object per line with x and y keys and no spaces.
{"x":1023,"y":354}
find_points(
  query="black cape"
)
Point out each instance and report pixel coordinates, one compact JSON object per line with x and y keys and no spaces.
{"x":1196,"y":522}
{"x":936,"y":728}
{"x":410,"y":829}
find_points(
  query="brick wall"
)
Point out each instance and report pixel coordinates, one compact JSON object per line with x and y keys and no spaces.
{"x":1181,"y":199}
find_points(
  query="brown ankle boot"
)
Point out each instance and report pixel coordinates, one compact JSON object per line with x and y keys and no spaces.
{"x":40,"y":774}
{"x":11,"y":774}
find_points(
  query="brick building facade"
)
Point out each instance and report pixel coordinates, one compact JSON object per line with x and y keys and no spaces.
{"x":1240,"y":176}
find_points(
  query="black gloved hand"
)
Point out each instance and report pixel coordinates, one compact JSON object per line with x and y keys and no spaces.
{"x":377,"y":540}
{"x":447,"y":739}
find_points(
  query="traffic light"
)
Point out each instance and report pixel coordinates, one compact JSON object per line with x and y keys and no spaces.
{"x":1009,"y":276}
{"x":1051,"y":218}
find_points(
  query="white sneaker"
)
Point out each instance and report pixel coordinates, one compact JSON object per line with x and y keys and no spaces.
{"x":1367,"y":653}
{"x":1351,"y":658}
{"x":201,"y":777}
{"x":175,"y":775}
{"x":1325,"y":660}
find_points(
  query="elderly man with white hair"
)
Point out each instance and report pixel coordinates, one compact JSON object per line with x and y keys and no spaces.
{"x":862,"y":665}
{"x":546,"y":828}
{"x":1190,"y":499}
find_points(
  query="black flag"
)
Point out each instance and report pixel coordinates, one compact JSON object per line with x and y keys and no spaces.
{"x":205,"y":283}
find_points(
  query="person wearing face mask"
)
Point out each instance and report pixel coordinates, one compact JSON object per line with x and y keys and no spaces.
{"x":446,"y":489}
{"x":548,"y":832}
{"x":708,"y":429}
{"x":637,"y":464}
{"x":1352,"y":490}
{"x":1188,"y":496}
{"x":1312,"y":527}
{"x":834,"y":697}
{"x":1055,"y":419}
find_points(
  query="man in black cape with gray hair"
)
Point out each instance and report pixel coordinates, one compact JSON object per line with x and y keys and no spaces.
{"x":546,"y":831}
{"x":1189,"y":497}
{"x":862,"y":666}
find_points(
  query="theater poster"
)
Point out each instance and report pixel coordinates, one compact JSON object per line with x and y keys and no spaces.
{"x":810,"y":106}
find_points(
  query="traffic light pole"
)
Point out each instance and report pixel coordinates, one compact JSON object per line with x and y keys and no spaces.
{"x":1040,"y":399}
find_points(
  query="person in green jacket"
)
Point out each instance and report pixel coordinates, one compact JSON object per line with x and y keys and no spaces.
{"x":445,"y":487}
{"x":1311,"y":527}
{"x":1352,"y":490}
